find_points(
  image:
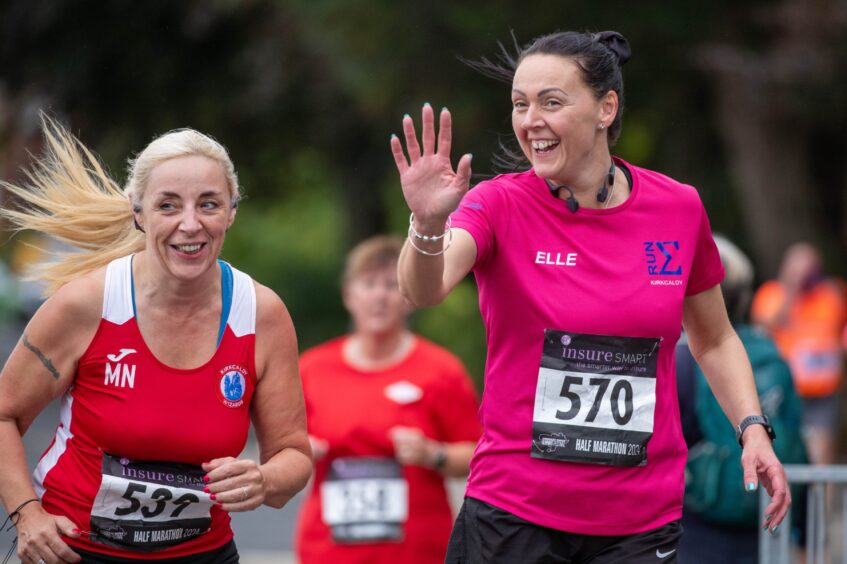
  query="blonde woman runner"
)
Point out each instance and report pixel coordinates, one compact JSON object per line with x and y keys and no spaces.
{"x":162,"y":355}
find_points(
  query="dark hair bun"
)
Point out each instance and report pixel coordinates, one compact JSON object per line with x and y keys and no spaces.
{"x":616,"y":43}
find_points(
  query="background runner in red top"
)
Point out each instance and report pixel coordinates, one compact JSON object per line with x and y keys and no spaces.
{"x":390,"y":415}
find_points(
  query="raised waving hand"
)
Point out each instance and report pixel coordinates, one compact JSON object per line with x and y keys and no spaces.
{"x":430,"y":185}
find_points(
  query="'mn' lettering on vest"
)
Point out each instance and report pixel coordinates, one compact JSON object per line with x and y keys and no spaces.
{"x":120,"y":374}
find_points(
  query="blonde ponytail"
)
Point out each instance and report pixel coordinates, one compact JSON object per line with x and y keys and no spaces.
{"x":68,"y":196}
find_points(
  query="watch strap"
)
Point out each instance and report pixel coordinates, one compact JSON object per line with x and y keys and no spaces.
{"x":754,"y":420}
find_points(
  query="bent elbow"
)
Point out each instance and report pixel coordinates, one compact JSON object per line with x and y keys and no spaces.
{"x":419,"y":300}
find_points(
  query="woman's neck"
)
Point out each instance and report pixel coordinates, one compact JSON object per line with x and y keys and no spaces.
{"x":371,"y":351}
{"x":155,"y":287}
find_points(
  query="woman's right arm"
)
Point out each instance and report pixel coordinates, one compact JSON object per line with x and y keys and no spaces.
{"x":40,"y":368}
{"x":432,"y":191}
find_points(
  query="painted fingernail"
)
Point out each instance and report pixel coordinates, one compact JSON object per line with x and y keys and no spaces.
{"x":407,"y":116}
{"x":768,"y":517}
{"x":212,"y":497}
{"x":444,"y":109}
{"x":219,"y":504}
{"x":750,"y":486}
{"x":393,"y":136}
{"x":765,"y":528}
{"x":774,"y":530}
{"x":75,"y":531}
{"x":206,"y":478}
{"x":206,"y":489}
{"x":426,"y":105}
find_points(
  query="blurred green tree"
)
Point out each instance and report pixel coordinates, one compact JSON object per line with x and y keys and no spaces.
{"x":305,"y":93}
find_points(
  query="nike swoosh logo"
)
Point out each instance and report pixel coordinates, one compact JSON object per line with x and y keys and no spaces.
{"x":663,"y":555}
{"x":123,"y":353}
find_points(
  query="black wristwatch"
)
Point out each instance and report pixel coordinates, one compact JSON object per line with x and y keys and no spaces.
{"x":440,"y":460}
{"x":754,"y":420}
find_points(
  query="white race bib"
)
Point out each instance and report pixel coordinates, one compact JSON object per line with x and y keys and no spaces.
{"x":365,"y":500}
{"x":147,"y":506}
{"x":595,"y":398}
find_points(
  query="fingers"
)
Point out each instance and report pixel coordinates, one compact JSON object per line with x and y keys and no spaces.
{"x":60,"y":551}
{"x":214,"y":464}
{"x":236,"y":485}
{"x":399,"y":156}
{"x":445,"y":133}
{"x":45,"y":546}
{"x":319,"y":447}
{"x":777,"y":509}
{"x":776,"y":484}
{"x":751,"y":476}
{"x":463,"y":171}
{"x":412,"y":146}
{"x":428,"y":129}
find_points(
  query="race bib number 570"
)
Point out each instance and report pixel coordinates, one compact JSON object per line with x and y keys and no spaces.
{"x":595,"y":398}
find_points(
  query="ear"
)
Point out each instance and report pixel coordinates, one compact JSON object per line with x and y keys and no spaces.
{"x":232,"y":211}
{"x":345,"y":296}
{"x":135,"y":207}
{"x":608,"y":108}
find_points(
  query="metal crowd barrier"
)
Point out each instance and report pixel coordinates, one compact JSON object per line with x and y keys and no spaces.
{"x":826,"y":527}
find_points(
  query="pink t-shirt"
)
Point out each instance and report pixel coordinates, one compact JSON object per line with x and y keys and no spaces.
{"x":582,"y":312}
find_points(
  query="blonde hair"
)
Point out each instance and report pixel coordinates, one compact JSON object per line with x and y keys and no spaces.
{"x":70,"y":197}
{"x":371,"y":254}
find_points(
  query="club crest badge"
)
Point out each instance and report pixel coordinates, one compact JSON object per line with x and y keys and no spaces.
{"x":232,"y":385}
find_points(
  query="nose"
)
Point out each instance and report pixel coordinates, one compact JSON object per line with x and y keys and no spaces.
{"x":189,"y":221}
{"x":531,"y":118}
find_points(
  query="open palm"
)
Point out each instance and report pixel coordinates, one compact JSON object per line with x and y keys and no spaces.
{"x":430,"y":185}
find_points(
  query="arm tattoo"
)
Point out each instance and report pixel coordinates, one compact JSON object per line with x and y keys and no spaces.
{"x":44,"y":360}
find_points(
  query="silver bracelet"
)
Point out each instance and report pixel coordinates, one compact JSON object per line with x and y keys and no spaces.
{"x":411,"y":238}
{"x":428,"y":238}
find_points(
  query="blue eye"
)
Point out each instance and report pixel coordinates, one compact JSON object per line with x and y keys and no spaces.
{"x":209,"y":205}
{"x":166,"y":206}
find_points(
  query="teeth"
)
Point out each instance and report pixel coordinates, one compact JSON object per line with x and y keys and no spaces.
{"x":189,"y":248}
{"x":540,"y":145}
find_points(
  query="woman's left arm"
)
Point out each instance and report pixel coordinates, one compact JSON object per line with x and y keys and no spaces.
{"x":278,"y":415}
{"x":721,"y":355}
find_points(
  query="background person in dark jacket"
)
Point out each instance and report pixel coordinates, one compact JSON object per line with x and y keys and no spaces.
{"x":719,"y":518}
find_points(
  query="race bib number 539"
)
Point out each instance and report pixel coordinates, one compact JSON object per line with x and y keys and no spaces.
{"x":595,"y":398}
{"x":146,"y":506}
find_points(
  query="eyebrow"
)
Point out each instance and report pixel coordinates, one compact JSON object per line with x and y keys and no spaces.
{"x":206,"y":194}
{"x":542,"y":92}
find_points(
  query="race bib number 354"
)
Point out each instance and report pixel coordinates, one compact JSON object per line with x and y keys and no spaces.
{"x":595,"y":398}
{"x":365,"y":499}
{"x":146,"y":506}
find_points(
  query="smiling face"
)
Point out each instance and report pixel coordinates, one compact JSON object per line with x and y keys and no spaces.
{"x":185,"y":212}
{"x":374,"y":301}
{"x":557,"y":120}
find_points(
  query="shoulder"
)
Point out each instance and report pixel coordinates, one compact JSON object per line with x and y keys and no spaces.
{"x":69,"y":318}
{"x":663,"y":186}
{"x":437,"y":357}
{"x":503,"y":183}
{"x":323,"y":352}
{"x":497,"y":196}
{"x":271,"y":313}
{"x":80,"y":300}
